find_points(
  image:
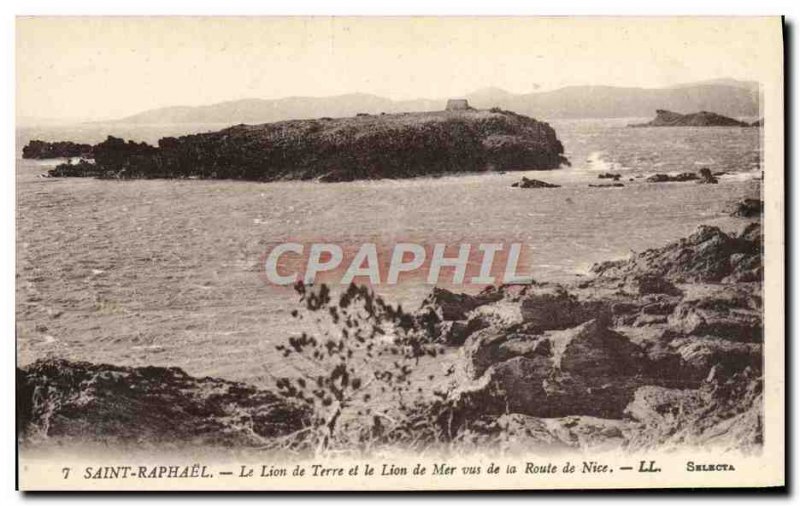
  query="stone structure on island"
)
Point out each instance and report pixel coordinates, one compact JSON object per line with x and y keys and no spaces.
{"x":457,"y":104}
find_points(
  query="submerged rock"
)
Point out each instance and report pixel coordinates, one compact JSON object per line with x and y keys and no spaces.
{"x":703,"y":176}
{"x":607,"y":185}
{"x":666,"y":178}
{"x":706,"y":177}
{"x":533,"y":183}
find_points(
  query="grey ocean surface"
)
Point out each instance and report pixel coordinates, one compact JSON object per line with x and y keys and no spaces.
{"x":219,"y":230}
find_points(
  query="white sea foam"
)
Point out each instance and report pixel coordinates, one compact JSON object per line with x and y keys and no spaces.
{"x":596,"y":163}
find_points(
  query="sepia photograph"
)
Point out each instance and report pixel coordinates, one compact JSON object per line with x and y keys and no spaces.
{"x":399,"y":253}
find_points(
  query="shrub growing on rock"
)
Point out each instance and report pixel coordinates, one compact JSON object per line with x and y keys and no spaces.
{"x":355,"y":370}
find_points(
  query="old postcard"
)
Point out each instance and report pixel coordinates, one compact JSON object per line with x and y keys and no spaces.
{"x":406,"y":253}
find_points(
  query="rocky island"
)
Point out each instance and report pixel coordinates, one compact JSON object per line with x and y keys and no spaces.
{"x":698,"y":119}
{"x":345,"y":149}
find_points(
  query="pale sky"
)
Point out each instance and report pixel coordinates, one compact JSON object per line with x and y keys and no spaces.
{"x":99,"y":68}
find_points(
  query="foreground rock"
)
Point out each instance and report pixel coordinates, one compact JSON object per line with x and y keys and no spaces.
{"x":344,"y":149}
{"x":63,"y":400}
{"x":589,"y":370}
{"x":725,"y":414}
{"x":749,"y":208}
{"x":708,"y":255}
{"x":666,"y":118}
{"x":447,"y":316}
{"x":664,"y":349}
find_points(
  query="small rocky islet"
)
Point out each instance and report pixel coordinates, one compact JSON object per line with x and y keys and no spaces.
{"x":666,"y":118}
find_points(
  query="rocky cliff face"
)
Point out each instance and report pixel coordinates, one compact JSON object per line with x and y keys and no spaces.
{"x":345,"y":149}
{"x":698,"y":119}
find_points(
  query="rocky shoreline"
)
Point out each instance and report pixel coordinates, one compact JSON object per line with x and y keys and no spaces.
{"x":664,"y":348}
{"x":659,"y":350}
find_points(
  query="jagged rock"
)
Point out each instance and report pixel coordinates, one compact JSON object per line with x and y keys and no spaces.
{"x":649,"y":284}
{"x":455,"y":333}
{"x":587,"y":370}
{"x":705,"y":358}
{"x":748,"y":266}
{"x":725,"y":414}
{"x":533,"y":183}
{"x":660,"y":406}
{"x":749,"y":208}
{"x":609,"y":175}
{"x":451,"y":306}
{"x":146,"y":406}
{"x":551,"y":307}
{"x":493,"y":345}
{"x":721,"y":314}
{"x":704,"y":256}
{"x":752,"y":234}
{"x":446,"y":316}
{"x":659,"y":306}
{"x":687,"y":322}
{"x":706,"y":177}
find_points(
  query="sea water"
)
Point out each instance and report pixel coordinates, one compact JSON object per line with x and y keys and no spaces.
{"x":167,"y":272}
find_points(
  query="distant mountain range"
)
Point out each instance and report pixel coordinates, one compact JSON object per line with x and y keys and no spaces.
{"x":724,"y":96}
